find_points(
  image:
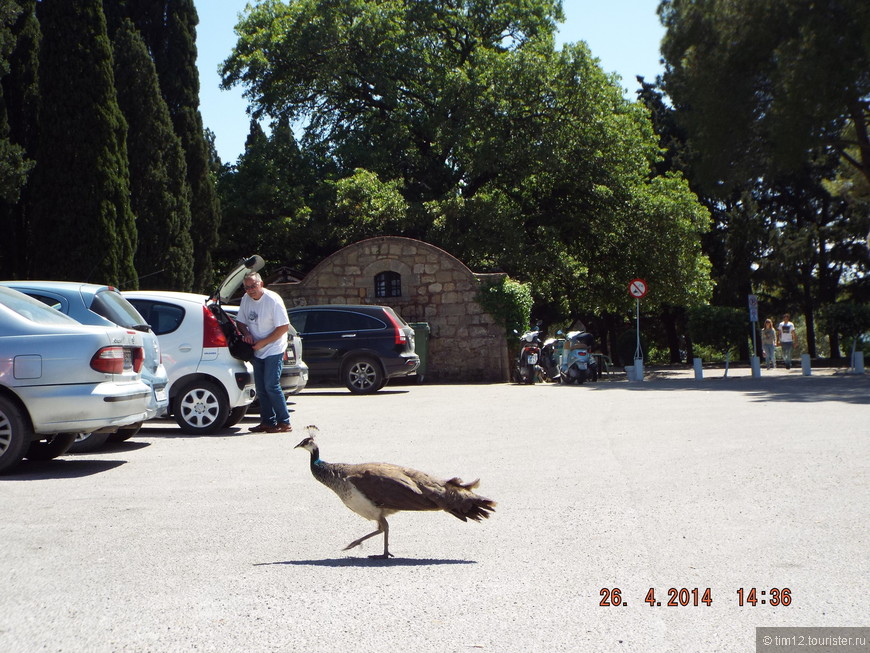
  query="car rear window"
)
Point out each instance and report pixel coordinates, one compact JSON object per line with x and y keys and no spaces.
{"x":115,"y":308}
{"x":163,"y":318}
{"x":337,"y":321}
{"x":32,"y":309}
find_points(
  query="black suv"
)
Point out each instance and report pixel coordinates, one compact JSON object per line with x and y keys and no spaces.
{"x":361,"y":346}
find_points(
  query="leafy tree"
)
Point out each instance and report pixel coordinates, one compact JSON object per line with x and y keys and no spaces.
{"x":719,"y":327}
{"x":82,"y":227}
{"x":263,"y":206}
{"x":509,"y":154}
{"x":19,"y":38}
{"x":159,"y":194}
{"x":169,"y":30}
{"x":762,"y":86}
{"x":179,"y":80}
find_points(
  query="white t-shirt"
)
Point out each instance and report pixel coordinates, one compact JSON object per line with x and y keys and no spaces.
{"x":261,"y":317}
{"x":786,"y":332}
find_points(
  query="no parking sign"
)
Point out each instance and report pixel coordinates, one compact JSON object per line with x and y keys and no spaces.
{"x":637,"y":288}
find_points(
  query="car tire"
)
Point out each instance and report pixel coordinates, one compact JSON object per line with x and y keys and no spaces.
{"x":15,"y":435}
{"x":236,"y":415}
{"x":201,"y":408}
{"x":125,"y":432}
{"x":53,"y":446}
{"x":85,"y":442}
{"x":362,"y":375}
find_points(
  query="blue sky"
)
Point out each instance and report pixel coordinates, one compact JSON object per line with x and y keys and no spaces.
{"x":623,"y":34}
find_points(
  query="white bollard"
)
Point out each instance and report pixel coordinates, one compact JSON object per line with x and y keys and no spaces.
{"x":755,"y":363}
{"x":806,"y":367}
{"x":638,"y":369}
{"x":858,"y":362}
{"x":699,"y":368}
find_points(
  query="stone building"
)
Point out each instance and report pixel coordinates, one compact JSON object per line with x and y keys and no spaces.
{"x":423,"y":284}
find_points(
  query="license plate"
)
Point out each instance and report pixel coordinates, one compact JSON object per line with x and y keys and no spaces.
{"x":532,"y":359}
{"x":160,"y":394}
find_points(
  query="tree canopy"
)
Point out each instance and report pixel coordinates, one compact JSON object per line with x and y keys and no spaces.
{"x":461,"y":124}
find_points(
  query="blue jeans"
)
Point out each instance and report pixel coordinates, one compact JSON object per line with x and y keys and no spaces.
{"x":770,"y":351}
{"x":267,"y":379}
{"x":786,"y":353}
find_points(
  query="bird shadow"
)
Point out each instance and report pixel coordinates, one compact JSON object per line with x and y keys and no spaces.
{"x":368,"y":562}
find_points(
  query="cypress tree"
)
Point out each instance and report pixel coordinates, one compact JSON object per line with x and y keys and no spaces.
{"x":169,"y":30}
{"x":19,"y":49}
{"x":159,"y":194}
{"x":179,"y":80}
{"x":82,"y":221}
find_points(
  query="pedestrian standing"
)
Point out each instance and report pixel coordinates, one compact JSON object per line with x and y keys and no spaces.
{"x":787,"y":336}
{"x":768,"y":343}
{"x":264,"y":324}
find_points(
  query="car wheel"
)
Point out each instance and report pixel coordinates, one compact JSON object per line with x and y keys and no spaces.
{"x":51,"y":446}
{"x":236,"y":415}
{"x":15,"y":435}
{"x":86,"y":442}
{"x":125,"y":432}
{"x":201,"y":408}
{"x":363,"y":376}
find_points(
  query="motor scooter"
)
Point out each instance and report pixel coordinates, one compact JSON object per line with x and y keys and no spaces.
{"x":551,"y":351}
{"x":578,"y":363}
{"x":526,"y":369}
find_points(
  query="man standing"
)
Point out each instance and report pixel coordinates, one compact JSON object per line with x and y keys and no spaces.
{"x":786,"y":339}
{"x":264,"y":324}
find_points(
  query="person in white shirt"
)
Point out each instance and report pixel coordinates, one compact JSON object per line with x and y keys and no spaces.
{"x":787,"y":337}
{"x":263,"y":322}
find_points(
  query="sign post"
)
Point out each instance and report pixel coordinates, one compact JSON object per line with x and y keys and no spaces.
{"x":754,"y":361}
{"x":637,"y":289}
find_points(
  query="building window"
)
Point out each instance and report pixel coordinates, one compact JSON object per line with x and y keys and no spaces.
{"x":388,"y":284}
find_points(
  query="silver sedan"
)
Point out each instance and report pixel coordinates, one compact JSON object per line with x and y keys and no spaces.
{"x":59,"y":378}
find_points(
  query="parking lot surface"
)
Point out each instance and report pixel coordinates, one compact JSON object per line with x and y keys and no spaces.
{"x":612,"y":497}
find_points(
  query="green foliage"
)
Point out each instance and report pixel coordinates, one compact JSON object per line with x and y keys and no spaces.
{"x":512,"y":156}
{"x":509,"y":302}
{"x":846,"y":319}
{"x":159,"y":194}
{"x":765,"y":86}
{"x":719,"y":327}
{"x":83,"y":227}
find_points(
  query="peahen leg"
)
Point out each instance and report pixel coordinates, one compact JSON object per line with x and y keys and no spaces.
{"x":383,"y":527}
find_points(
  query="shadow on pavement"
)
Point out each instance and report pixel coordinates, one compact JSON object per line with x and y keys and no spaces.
{"x":369,"y":562}
{"x":842,"y":388}
{"x":60,"y":468}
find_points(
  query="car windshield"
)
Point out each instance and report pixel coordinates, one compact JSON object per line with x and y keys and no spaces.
{"x":32,"y":309}
{"x":112,"y":306}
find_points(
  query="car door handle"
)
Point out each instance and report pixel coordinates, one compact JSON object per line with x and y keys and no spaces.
{"x":184,"y":347}
{"x":348,"y":335}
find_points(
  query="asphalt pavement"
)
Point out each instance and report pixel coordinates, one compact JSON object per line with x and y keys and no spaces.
{"x":614,"y":499}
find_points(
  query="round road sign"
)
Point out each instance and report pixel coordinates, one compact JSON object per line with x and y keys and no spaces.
{"x":637,"y":288}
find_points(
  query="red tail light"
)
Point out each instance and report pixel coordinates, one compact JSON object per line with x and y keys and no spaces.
{"x":109,"y":360}
{"x":212,"y":335}
{"x":138,"y":358}
{"x":401,"y":338}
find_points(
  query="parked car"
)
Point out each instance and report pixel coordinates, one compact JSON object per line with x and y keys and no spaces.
{"x":208,"y":389}
{"x":361,"y":346}
{"x":294,"y":374}
{"x":59,"y":378}
{"x":100,"y":305}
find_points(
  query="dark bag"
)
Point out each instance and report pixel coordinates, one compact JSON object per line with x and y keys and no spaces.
{"x":237,"y":345}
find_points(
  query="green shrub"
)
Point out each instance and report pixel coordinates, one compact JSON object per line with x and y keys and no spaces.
{"x":509,"y":302}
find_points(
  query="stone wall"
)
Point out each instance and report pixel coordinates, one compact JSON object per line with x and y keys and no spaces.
{"x":465,"y":343}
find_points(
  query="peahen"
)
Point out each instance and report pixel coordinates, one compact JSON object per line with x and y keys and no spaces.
{"x":375,"y":490}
